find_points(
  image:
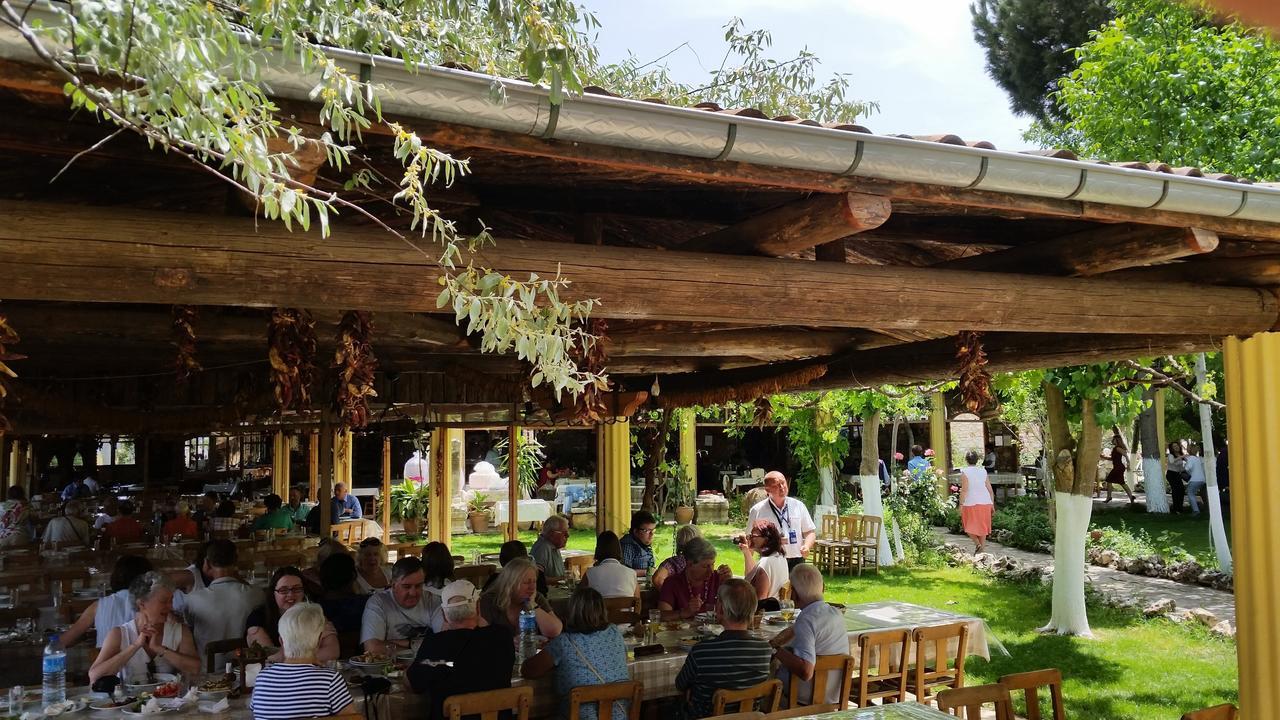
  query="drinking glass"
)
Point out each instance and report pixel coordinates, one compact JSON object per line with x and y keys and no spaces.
{"x":26,"y":626}
{"x":788,"y":608}
{"x":17,"y":694}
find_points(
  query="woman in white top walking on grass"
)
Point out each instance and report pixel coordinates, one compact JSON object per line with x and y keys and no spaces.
{"x":976,"y":501}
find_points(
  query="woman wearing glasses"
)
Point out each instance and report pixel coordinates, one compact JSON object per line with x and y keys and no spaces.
{"x":283,"y":592}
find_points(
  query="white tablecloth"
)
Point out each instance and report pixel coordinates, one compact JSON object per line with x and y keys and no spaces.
{"x":526,"y":511}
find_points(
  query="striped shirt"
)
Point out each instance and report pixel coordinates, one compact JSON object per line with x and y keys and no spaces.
{"x":285,"y":691}
{"x":733,"y":661}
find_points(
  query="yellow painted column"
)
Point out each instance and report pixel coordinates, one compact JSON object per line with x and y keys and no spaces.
{"x":613,"y":476}
{"x":325,"y":474}
{"x":1158,"y":409}
{"x":384,"y":499}
{"x":342,"y":452}
{"x":313,"y":466}
{"x":938,"y":435}
{"x":1253,"y":424}
{"x":688,"y":424}
{"x":280,"y":464}
{"x":513,"y":483}
{"x":17,"y":462}
{"x":440,"y":514}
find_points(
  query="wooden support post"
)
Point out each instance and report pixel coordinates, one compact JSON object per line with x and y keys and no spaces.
{"x":146,"y":459}
{"x":513,"y":482}
{"x":613,"y":476}
{"x":325,"y":491}
{"x":1253,"y":394}
{"x":342,"y":457}
{"x":687,"y":420}
{"x":384,"y":500}
{"x":280,"y":464}
{"x":17,"y":458}
{"x":1158,"y":406}
{"x":4,"y":466}
{"x":938,"y":437}
{"x":313,"y":466}
{"x":440,"y":514}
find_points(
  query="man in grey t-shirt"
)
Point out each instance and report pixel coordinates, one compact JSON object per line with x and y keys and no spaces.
{"x":546,"y":551}
{"x":819,"y":630}
{"x":396,"y":616}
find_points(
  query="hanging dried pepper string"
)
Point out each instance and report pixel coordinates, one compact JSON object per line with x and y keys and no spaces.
{"x":591,"y":406}
{"x":8,"y":336}
{"x":291,"y":348}
{"x":355,"y":362}
{"x":184,"y":337}
{"x":975,"y":379}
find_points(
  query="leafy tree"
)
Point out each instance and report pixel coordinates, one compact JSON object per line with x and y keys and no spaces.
{"x":1030,"y":44}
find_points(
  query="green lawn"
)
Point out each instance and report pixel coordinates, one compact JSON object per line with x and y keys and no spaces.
{"x":1166,"y":531}
{"x":1134,"y":668}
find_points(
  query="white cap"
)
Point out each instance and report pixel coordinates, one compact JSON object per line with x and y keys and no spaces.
{"x":457,"y":593}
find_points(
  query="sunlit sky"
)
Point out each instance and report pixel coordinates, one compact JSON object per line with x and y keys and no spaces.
{"x":916,"y":58}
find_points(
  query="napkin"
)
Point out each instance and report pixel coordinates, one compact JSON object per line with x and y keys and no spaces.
{"x":192,"y":695}
{"x":214,"y":707}
{"x":151,"y":707}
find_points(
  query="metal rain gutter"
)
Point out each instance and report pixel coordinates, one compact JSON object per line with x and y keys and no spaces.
{"x":465,"y":98}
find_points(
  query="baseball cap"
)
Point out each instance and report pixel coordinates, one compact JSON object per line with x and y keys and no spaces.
{"x":457,"y":593}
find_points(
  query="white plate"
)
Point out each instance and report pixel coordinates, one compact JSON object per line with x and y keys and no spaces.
{"x":161,"y":679}
{"x":167,"y":705}
{"x":107,"y":705}
{"x":75,"y":705}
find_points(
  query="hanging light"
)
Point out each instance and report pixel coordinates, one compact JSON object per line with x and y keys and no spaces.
{"x":655,"y":389}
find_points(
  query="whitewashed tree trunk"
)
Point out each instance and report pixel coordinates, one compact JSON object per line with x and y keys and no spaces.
{"x":827,"y":495}
{"x":873,"y":505}
{"x":1217,"y":531}
{"x":898,"y":553}
{"x":1152,"y":468}
{"x":1068,"y":616}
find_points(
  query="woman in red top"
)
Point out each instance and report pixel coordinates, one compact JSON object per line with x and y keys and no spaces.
{"x":124,"y":529}
{"x":692,"y":591}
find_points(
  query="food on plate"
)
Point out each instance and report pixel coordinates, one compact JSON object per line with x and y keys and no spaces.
{"x":168,"y":690}
{"x":218,"y":684}
{"x":370,"y":658}
{"x":113,"y":703}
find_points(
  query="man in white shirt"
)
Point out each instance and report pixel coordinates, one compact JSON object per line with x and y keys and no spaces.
{"x":397,"y":616}
{"x":819,"y":630}
{"x":219,"y":610}
{"x":787,"y":514}
{"x":69,"y":528}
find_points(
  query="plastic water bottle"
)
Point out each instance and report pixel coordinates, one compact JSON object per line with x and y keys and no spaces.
{"x":528,"y":632}
{"x":55,"y":672}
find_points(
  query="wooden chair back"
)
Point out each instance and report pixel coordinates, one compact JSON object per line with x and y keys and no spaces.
{"x":345,"y":533}
{"x":605,"y":696}
{"x":799,"y":711}
{"x":1030,"y":683}
{"x":967,"y":702}
{"x":943,"y":670}
{"x":823,"y":667}
{"x":582,"y":562}
{"x":743,"y":716}
{"x":867,"y":542}
{"x":215,"y":647}
{"x":622,"y":610}
{"x":490,"y":703}
{"x":475,"y":574}
{"x":830,"y":527}
{"x":767,"y":693}
{"x":882,"y":666}
{"x":1225,"y":711}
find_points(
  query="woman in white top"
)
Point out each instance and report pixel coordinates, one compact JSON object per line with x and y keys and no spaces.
{"x":771,"y":572}
{"x":977,"y":502}
{"x":371,"y":568}
{"x":609,"y":576}
{"x":112,"y":610}
{"x":153,"y":637}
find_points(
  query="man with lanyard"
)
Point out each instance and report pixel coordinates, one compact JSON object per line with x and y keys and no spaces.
{"x":789,"y":515}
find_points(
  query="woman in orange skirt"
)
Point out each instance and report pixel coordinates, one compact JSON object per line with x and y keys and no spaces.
{"x":976,"y":501}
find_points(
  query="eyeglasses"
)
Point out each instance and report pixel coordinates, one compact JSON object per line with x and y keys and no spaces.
{"x":293,"y":590}
{"x":645,"y":531}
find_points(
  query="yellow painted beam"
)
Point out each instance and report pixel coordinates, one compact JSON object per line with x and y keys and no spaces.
{"x":313,"y":467}
{"x":384,"y":499}
{"x":513,"y":483}
{"x":325,"y":473}
{"x":687,"y":422}
{"x":444,"y":459}
{"x":613,"y":484}
{"x":1158,"y":409}
{"x":938,"y":436}
{"x":1253,"y":424}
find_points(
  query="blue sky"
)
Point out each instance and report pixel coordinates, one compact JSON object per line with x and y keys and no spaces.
{"x":917,"y":58}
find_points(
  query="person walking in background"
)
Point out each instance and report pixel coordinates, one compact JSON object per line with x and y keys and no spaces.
{"x":1176,"y":475}
{"x":1119,"y":456}
{"x":976,"y":501}
{"x":1196,"y":480}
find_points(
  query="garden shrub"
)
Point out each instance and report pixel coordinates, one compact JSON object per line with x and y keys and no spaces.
{"x":1027,"y":521}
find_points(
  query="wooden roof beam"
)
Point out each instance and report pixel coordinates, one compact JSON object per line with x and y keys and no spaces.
{"x":1255,"y":271}
{"x":93,"y":254}
{"x":1094,"y":251}
{"x":798,"y":226}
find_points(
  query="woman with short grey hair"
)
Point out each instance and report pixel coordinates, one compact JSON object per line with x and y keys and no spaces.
{"x":296,"y":687}
{"x":153,"y":637}
{"x":694,"y":590}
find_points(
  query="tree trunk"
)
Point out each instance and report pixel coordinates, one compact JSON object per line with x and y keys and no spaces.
{"x":1152,"y":468}
{"x":893,"y":449}
{"x":1074,"y":476}
{"x":826,"y":466}
{"x":1216,"y":529}
{"x":872,"y":504}
{"x":657,"y":455}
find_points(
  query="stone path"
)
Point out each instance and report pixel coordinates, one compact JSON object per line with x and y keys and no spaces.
{"x":1120,"y":585}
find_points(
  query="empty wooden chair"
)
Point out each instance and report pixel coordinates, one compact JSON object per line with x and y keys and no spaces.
{"x":605,"y":696}
{"x":345,"y":533}
{"x":967,"y":702}
{"x":829,"y":531}
{"x":935,"y":667}
{"x":1225,"y":711}
{"x":582,"y":562}
{"x":622,"y":610}
{"x":1030,"y":683}
{"x":825,"y":669}
{"x":800,"y":711}
{"x":866,"y":543}
{"x":213,"y":648}
{"x":490,"y":703}
{"x":767,"y":693}
{"x":882,"y":667}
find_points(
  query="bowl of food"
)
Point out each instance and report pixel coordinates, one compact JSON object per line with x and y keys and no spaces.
{"x":112,"y":704}
{"x":370,"y":661}
{"x":150,"y":684}
{"x":215,"y":688}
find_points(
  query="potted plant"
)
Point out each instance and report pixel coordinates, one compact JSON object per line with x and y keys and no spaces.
{"x":478,"y":513}
{"x":680,"y":494}
{"x":529,"y":455}
{"x":409,"y":504}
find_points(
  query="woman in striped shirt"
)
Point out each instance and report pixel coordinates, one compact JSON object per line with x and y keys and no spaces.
{"x":297,"y":688}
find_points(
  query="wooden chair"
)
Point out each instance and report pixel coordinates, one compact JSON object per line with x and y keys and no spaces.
{"x":490,"y":703}
{"x":866,"y":543}
{"x":1030,"y":683}
{"x":605,"y":696}
{"x":823,"y":667}
{"x":215,"y":647}
{"x":1225,"y":711}
{"x":582,"y":562}
{"x":474,"y":574}
{"x":967,"y":702}
{"x":743,"y":716}
{"x":929,"y":676}
{"x":828,"y":534}
{"x":622,"y":610}
{"x":345,"y":533}
{"x":882,"y":667}
{"x":768,"y":693}
{"x":800,"y":711}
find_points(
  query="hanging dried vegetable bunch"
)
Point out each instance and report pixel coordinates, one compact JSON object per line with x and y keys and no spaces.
{"x":291,"y":347}
{"x":591,"y":405}
{"x":762,"y":412}
{"x":975,"y":379}
{"x":8,"y":336}
{"x":184,"y":337}
{"x":355,"y":363}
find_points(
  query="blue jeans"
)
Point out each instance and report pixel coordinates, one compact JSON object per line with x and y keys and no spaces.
{"x":1193,"y":494}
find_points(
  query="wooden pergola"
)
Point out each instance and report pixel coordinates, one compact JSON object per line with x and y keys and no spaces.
{"x":791,"y":257}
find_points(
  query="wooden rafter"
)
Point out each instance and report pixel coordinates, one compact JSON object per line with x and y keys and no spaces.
{"x":1094,"y":251}
{"x":797,"y":226}
{"x":1258,"y":271}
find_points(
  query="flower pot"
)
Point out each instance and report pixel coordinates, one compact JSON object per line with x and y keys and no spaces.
{"x":410,"y":526}
{"x":684,"y":515}
{"x":478,"y":521}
